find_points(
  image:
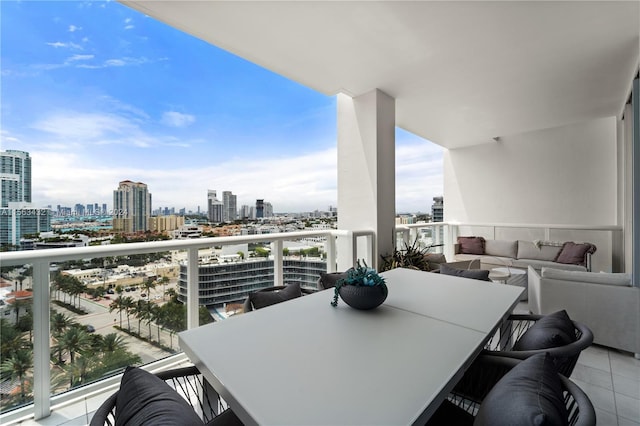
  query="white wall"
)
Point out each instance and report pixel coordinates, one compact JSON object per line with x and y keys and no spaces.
{"x":565,"y":175}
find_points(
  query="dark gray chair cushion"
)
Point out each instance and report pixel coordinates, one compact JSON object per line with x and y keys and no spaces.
{"x":476,"y":274}
{"x":529,"y":394}
{"x":551,"y":331}
{"x":267,"y":297}
{"x":144,"y":399}
{"x":329,"y":280}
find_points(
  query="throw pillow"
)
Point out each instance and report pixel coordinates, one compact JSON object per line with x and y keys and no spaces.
{"x":144,"y":399}
{"x":476,"y":274}
{"x":550,"y":331}
{"x":267,"y":297}
{"x":574,"y":254}
{"x":329,"y":280}
{"x":471,"y":245}
{"x":529,"y":394}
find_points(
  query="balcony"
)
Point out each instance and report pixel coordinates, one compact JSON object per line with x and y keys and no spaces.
{"x":536,"y":104}
{"x":50,"y":410}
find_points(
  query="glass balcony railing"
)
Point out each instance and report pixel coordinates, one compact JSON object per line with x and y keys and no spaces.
{"x":78,"y":316}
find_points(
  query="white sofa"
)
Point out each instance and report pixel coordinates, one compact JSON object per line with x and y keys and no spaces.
{"x":522,"y":254}
{"x":605,"y":302}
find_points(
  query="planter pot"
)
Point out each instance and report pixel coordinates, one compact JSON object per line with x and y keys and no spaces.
{"x":363,"y":297}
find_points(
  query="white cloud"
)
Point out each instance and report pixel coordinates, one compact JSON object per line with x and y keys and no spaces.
{"x":177,"y":119}
{"x":79,"y":58}
{"x":74,"y":125}
{"x":73,"y":28}
{"x":59,"y":44}
{"x":129,"y":27}
{"x":296,"y":183}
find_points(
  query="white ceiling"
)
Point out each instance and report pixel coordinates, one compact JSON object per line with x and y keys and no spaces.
{"x":461,"y":72}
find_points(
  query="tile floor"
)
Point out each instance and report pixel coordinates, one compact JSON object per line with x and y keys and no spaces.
{"x":611,"y":379}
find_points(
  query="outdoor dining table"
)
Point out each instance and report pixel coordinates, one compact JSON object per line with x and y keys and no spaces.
{"x":304,"y":362}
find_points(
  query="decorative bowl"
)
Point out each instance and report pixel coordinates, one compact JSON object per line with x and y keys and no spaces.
{"x":363,"y":297}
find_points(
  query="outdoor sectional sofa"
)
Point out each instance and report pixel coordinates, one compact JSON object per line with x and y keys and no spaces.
{"x":607,"y":303}
{"x":522,"y":254}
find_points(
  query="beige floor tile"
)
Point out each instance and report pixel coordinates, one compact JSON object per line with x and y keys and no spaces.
{"x":605,"y":418}
{"x":593,"y":376}
{"x":626,"y":386}
{"x":628,"y":408}
{"x":600,"y":397}
{"x":626,"y":422}
{"x":595,"y":357}
{"x":624,"y":364}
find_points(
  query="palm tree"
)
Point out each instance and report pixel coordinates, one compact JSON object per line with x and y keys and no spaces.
{"x":149,"y":284}
{"x":119,"y":305}
{"x":74,"y":340}
{"x":17,"y":366}
{"x":60,"y":322}
{"x":129,"y":305}
{"x":113,"y":342}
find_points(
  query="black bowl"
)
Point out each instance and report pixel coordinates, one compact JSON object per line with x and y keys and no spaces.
{"x":363,"y":297}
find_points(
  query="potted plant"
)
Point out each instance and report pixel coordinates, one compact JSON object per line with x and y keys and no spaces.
{"x":362,"y":288}
{"x":412,"y":256}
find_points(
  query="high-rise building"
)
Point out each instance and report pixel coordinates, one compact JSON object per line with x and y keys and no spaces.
{"x":268,"y":209}
{"x":15,"y":174}
{"x":259,"y":209}
{"x":131,"y":207}
{"x":230,"y":206}
{"x":215,"y":207}
{"x":18,"y":216}
{"x":247,"y":212}
{"x":437,"y":209}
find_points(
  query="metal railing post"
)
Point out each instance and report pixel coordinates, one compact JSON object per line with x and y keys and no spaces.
{"x":278,"y":267}
{"x":330,"y":249}
{"x":41,"y":340}
{"x":193,"y":274}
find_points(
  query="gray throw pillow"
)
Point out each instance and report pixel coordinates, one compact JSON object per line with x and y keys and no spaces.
{"x":529,"y":394}
{"x":145,"y":399}
{"x":551,"y":331}
{"x":262,"y":299}
{"x":476,"y":274}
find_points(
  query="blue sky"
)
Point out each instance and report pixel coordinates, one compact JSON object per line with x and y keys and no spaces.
{"x":98,"y":93}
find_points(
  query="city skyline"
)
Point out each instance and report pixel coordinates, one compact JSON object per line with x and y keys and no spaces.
{"x":97,"y":93}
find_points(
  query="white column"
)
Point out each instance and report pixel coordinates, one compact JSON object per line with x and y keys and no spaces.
{"x":366,"y":171}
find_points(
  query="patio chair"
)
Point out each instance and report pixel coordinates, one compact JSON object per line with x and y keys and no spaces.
{"x":507,"y":391}
{"x":508,"y":341}
{"x":186,"y":394}
{"x":271,"y":295}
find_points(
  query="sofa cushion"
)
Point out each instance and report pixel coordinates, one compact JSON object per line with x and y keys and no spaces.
{"x":501,"y":248}
{"x":529,"y":250}
{"x":573,"y":253}
{"x":476,"y":274}
{"x":539,"y":264}
{"x":529,"y":394}
{"x":144,"y":399}
{"x":434,"y":260}
{"x":606,"y":278}
{"x":471,"y":245}
{"x":551,"y":331}
{"x":262,"y":299}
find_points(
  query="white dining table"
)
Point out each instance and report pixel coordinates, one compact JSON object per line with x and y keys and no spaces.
{"x":304,"y":362}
